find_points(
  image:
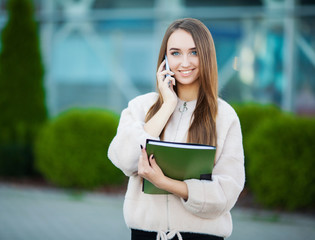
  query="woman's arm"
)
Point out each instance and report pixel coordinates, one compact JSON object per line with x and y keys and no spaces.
{"x":124,"y":149}
{"x":147,"y":167}
{"x":132,"y":130}
{"x":210,"y":199}
{"x":207,"y":199}
{"x":156,"y":124}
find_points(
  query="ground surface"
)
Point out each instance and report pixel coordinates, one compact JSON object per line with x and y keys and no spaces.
{"x":34,"y":211}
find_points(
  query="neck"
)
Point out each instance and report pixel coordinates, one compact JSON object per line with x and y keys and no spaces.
{"x":188,"y":92}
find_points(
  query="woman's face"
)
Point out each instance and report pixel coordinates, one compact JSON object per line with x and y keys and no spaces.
{"x":183,"y":57}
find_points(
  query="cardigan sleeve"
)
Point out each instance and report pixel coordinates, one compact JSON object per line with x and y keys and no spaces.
{"x":210,"y":199}
{"x":124,"y":150}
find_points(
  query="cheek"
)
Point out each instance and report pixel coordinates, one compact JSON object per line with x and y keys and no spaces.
{"x":196,"y":62}
{"x":174,"y":63}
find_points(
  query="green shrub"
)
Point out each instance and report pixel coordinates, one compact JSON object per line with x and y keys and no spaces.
{"x":281,"y":166}
{"x":251,"y":116}
{"x":71,"y":151}
{"x":22,"y":98}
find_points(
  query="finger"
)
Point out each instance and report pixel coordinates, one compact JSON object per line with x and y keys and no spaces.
{"x":173,"y":81}
{"x":152,"y":160}
{"x":145,"y":160}
{"x":144,"y":153}
{"x":162,"y":75}
{"x":161,"y":67}
{"x":169,"y":72}
{"x":141,"y":155}
{"x":142,"y":161}
{"x":143,"y":166}
{"x":170,"y":81}
{"x":153,"y":163}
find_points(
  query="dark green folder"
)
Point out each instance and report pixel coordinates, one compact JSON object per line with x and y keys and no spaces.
{"x":180,"y":161}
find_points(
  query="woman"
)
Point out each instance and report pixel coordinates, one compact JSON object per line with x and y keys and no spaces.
{"x":185,"y":109}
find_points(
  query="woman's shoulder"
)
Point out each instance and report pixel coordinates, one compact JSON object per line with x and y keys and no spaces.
{"x":225,"y":109}
{"x":226,"y":119}
{"x":146,"y":99}
{"x":142,"y":103}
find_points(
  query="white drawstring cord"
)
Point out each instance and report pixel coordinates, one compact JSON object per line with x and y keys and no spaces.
{"x":166,"y":236}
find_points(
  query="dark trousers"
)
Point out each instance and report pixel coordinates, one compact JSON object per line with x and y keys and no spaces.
{"x":143,"y":235}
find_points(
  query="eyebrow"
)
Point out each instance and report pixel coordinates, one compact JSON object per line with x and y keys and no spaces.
{"x":172,"y":49}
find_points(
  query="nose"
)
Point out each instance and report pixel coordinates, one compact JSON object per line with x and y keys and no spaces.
{"x":185,"y":61}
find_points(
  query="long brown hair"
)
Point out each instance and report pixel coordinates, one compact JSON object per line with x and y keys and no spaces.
{"x":203,"y":127}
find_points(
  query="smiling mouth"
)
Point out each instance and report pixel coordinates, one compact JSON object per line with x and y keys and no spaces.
{"x":186,"y":71}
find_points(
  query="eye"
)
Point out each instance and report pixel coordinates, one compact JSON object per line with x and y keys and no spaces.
{"x":194,"y":53}
{"x":175,"y":53}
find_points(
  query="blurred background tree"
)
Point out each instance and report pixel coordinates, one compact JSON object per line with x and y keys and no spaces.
{"x":22,"y":98}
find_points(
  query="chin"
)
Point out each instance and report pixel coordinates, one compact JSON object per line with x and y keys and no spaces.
{"x":187,"y":81}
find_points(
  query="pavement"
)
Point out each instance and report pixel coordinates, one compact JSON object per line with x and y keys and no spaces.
{"x":33,"y":213}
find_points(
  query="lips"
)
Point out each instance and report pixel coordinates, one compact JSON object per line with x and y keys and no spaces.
{"x":186,"y":72}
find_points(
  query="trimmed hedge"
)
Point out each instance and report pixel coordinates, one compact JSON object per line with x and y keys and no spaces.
{"x":281,"y":166}
{"x":71,"y":150}
{"x":251,"y":116}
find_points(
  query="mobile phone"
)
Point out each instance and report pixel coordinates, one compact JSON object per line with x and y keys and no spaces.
{"x":167,"y":66}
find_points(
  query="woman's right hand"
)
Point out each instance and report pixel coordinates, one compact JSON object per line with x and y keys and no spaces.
{"x":165,"y":85}
{"x":157,"y":123}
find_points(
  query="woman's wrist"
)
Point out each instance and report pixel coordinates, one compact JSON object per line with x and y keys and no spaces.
{"x":157,"y":123}
{"x":169,"y":106}
{"x":173,"y":186}
{"x":162,"y":183}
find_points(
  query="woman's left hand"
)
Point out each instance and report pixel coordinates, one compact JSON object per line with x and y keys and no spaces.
{"x":148,"y":169}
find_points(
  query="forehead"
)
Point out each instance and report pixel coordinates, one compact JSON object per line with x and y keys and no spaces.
{"x":180,"y":39}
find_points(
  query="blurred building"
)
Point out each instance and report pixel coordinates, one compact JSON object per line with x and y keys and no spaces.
{"x":102,"y":53}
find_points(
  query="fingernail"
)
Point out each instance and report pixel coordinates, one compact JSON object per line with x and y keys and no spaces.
{"x":172,"y":73}
{"x":141,"y":146}
{"x":152,"y":156}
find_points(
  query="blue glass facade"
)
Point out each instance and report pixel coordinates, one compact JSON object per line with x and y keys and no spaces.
{"x":103,"y":53}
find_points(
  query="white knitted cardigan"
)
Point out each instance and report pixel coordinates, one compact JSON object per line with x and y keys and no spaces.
{"x":207,"y":209}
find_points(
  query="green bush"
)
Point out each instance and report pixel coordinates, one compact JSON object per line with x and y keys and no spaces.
{"x":251,"y":116}
{"x":281,"y":166}
{"x":22,"y":98}
{"x":71,"y":151}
